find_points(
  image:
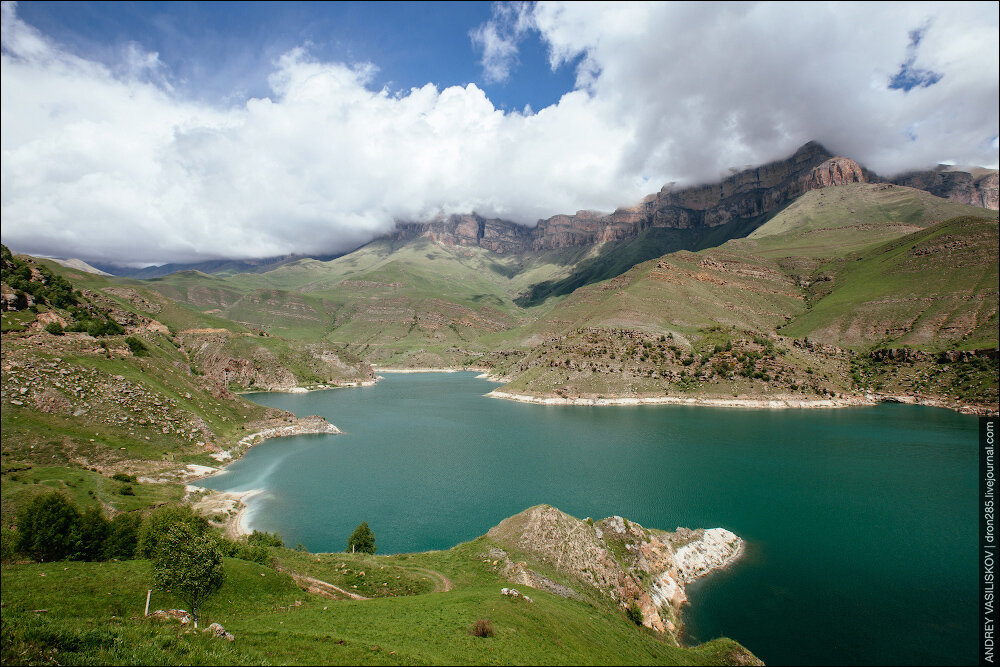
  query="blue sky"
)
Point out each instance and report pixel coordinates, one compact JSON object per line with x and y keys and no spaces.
{"x":179,"y":132}
{"x":222,"y":52}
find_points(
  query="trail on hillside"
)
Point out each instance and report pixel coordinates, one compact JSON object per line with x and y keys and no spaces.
{"x":442,"y":584}
{"x":320,"y":587}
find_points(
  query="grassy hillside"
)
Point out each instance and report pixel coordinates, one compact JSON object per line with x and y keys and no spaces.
{"x":415,"y":303}
{"x":934,"y":289}
{"x":144,"y":398}
{"x":858,"y":266}
{"x":93,"y":614}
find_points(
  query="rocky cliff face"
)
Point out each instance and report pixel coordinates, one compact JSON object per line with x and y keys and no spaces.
{"x":975,"y":186}
{"x":835,"y":171}
{"x":619,"y":558}
{"x":744,"y":195}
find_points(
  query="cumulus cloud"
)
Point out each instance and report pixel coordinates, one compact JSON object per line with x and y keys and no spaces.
{"x":110,"y":162}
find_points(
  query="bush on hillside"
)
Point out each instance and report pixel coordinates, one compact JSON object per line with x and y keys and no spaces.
{"x":93,"y":534}
{"x":263,"y":539}
{"x":634,"y":613}
{"x":54,"y":328}
{"x":244,"y":551}
{"x":48,"y":529}
{"x":156,"y":526}
{"x":483,"y":627}
{"x":362,"y":540}
{"x":123,"y":533}
{"x":137,"y":347}
{"x":188,"y":563}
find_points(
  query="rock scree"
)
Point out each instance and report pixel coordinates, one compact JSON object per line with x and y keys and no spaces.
{"x":619,"y":558}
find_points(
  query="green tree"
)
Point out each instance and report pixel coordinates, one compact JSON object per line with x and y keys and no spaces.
{"x":54,"y":328}
{"x":634,"y":613}
{"x":160,"y":521}
{"x":362,"y":540}
{"x":49,"y":528}
{"x":93,"y":533}
{"x":189,"y":565}
{"x":123,"y":533}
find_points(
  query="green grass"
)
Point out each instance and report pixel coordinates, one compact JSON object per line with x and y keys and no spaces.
{"x":96,"y":609}
{"x":934,"y":289}
{"x":23,"y":482}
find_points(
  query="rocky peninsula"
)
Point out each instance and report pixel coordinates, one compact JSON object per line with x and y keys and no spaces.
{"x":619,"y":558}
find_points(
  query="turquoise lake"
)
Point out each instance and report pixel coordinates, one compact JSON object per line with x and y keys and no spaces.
{"x":861,"y":523}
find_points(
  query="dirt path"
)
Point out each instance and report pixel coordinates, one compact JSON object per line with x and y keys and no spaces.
{"x":442,"y":584}
{"x":324,"y":588}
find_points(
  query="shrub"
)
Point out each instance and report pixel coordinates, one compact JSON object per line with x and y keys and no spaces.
{"x":634,"y":613}
{"x":126,"y":490}
{"x":123,"y":533}
{"x":160,"y":521}
{"x":54,"y":328}
{"x":48,"y":528}
{"x":362,"y":540}
{"x":122,"y":477}
{"x":137,"y":347}
{"x":263,"y":539}
{"x":482,"y":628}
{"x":93,"y":534}
{"x":244,"y":551}
{"x":188,"y":563}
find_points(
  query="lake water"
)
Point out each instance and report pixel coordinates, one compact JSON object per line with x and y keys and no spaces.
{"x":861,"y":523}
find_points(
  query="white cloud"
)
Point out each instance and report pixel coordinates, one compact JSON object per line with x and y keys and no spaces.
{"x":102,"y":162}
{"x":498,"y":39}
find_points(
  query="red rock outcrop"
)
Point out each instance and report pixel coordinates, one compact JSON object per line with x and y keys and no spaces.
{"x":835,"y":171}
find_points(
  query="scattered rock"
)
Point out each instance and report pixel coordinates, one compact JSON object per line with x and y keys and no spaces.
{"x":219,"y":632}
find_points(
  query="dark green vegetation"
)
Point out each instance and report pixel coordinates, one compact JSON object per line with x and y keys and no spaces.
{"x":362,"y":540}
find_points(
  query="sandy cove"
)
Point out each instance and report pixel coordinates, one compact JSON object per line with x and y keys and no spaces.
{"x":233,"y":504}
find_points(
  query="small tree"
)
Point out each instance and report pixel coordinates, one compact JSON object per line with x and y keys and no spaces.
{"x":93,"y":534}
{"x":160,"y":521}
{"x":54,"y":328}
{"x":123,"y":533}
{"x":49,"y":528}
{"x":634,"y":613}
{"x":189,"y":565}
{"x":362,"y":540}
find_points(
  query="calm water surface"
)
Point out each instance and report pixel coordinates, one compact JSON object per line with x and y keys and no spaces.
{"x":860,"y":522}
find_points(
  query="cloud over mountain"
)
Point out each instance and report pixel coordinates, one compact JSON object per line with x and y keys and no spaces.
{"x":110,"y":162}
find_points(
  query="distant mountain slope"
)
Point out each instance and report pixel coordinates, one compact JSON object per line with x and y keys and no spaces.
{"x":732,"y":321}
{"x":933,"y":289}
{"x":967,"y":185}
{"x":217,"y":266}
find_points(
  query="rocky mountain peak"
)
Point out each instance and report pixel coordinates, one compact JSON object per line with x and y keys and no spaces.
{"x":835,"y":171}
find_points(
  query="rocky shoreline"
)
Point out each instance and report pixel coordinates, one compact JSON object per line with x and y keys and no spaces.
{"x":777,"y":402}
{"x":630,"y":564}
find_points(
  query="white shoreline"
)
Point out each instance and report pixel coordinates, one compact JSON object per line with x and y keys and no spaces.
{"x":774,"y":403}
{"x":427,"y":370}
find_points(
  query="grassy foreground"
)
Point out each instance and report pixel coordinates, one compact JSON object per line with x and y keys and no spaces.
{"x":92,"y":613}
